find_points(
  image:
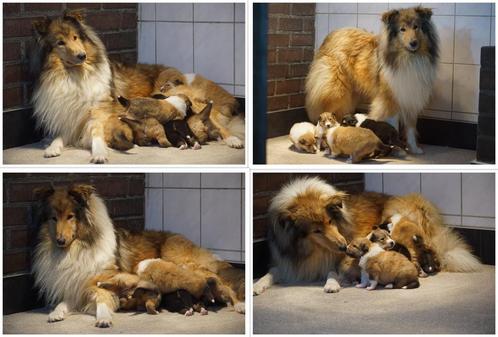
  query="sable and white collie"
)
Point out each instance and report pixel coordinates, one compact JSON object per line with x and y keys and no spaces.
{"x":312,"y":222}
{"x":75,"y":96}
{"x":393,"y":71}
{"x":79,"y":248}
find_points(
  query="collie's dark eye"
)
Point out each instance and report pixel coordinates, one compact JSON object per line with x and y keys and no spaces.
{"x":415,"y":27}
{"x":317,"y":231}
{"x":403,"y":29}
{"x":53,"y":218}
{"x":70,"y":216}
{"x":75,"y":38}
{"x":61,"y":43}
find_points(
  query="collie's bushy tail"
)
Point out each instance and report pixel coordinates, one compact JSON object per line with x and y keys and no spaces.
{"x":237,"y":126}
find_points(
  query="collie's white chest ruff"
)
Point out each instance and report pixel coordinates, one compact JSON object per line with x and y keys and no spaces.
{"x":63,"y":100}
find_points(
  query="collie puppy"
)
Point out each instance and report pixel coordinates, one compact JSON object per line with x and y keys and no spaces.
{"x":452,"y":253}
{"x":311,"y":223}
{"x":325,"y":122}
{"x":394,"y":71}
{"x":79,"y":247}
{"x":302,"y":136}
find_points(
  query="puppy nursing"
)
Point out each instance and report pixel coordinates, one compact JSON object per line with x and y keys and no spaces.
{"x":378,"y":266}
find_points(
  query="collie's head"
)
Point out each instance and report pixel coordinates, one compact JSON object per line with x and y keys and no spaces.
{"x":307,"y":214}
{"x":68,"y":39}
{"x":64,"y":212}
{"x":410,"y":32}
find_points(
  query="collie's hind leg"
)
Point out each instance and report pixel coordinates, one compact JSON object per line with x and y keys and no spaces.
{"x":59,"y":312}
{"x":55,"y":148}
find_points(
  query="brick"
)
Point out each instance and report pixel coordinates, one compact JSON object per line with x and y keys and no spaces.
{"x":308,"y":55}
{"x":344,"y":177}
{"x":119,"y":5}
{"x":19,"y":27}
{"x":128,"y":20}
{"x":20,"y":238}
{"x":270,"y":88}
{"x":12,"y":51}
{"x":24,"y":191}
{"x":260,"y":204}
{"x":276,"y":8}
{"x":288,"y":86}
{"x":12,"y":97}
{"x":136,"y":187}
{"x":289,"y":55}
{"x":302,"y":40}
{"x":126,"y":207}
{"x":296,"y":101}
{"x":105,"y":21}
{"x":309,"y":25}
{"x":11,"y":9}
{"x":271,"y":56}
{"x":272,"y":24}
{"x":42,"y":7}
{"x":123,"y":40}
{"x":130,"y":224}
{"x":290,"y":24}
{"x":260,"y":228}
{"x":15,"y":262}
{"x":83,"y":5}
{"x":111,"y":187}
{"x":277,"y":180}
{"x":303,"y":9}
{"x":298,"y":70}
{"x":277,"y":71}
{"x":277,"y":103}
{"x":259,"y":182}
{"x":15,"y":216}
{"x":14,"y":73}
{"x":278,"y":40}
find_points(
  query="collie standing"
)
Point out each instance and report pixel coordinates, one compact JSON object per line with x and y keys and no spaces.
{"x":394,"y":71}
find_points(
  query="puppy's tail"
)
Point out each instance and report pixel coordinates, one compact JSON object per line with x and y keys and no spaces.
{"x":237,"y":126}
{"x":454,"y":253}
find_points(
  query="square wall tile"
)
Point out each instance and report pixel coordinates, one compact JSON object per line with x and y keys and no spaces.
{"x":440,"y":8}
{"x":240,"y":12}
{"x":153,"y":209}
{"x":147,"y":42}
{"x":229,"y":88}
{"x":472,"y":32}
{"x":441,"y":92}
{"x":214,"y":56}
{"x":473,"y":9}
{"x":174,"y":12}
{"x":220,"y":180}
{"x":239,"y":90}
{"x":400,"y":5}
{"x":479,"y":222}
{"x":436,"y":114}
{"x":147,"y":11}
{"x":322,"y":7}
{"x":214,"y":12}
{"x":445,"y":26}
{"x":371,"y":23}
{"x":154,"y":180}
{"x":466,"y":88}
{"x":373,"y":182}
{"x":444,"y":190}
{"x":337,"y":21}
{"x":478,"y":194}
{"x":343,"y":8}
{"x":321,"y":28}
{"x":240,"y":55}
{"x":221,"y":219}
{"x":181,"y":213}
{"x":465,"y":117}
{"x":176,"y":48}
{"x":182,"y":180}
{"x":452,"y":220}
{"x":227,"y":255}
{"x":492,"y":40}
{"x":243,"y":218}
{"x":401,"y":183}
{"x":372,"y":8}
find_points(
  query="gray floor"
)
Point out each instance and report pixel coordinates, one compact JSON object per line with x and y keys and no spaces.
{"x":213,"y":153}
{"x":225,"y":321}
{"x":280,"y":151}
{"x":448,"y":303}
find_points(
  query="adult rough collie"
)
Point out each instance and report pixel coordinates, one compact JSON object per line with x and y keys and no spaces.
{"x":75,"y":96}
{"x":79,"y":247}
{"x":394,"y":71}
{"x":312,"y":222}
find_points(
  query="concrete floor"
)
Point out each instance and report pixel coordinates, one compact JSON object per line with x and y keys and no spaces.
{"x":224,"y":321}
{"x":213,"y":153}
{"x":280,"y":151}
{"x":447,"y":303}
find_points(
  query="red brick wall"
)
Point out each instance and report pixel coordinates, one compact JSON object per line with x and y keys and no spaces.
{"x":123,"y":194}
{"x":116,"y":24}
{"x":266,"y":185}
{"x":291,"y":38}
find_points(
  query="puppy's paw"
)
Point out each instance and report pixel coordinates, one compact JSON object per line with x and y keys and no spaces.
{"x":361,"y":285}
{"x":234,"y":142}
{"x":183,"y":147}
{"x":103,"y":323}
{"x":388,"y":286}
{"x":422,"y":273}
{"x":189,"y":312}
{"x":240,"y":307}
{"x":55,"y":316}
{"x":196,"y":146}
{"x":204,"y":312}
{"x":371,"y":288}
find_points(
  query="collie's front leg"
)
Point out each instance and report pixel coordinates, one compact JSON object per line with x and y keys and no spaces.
{"x":265,"y":282}
{"x":332,"y":285}
{"x":411,"y":140}
{"x":59,"y":313}
{"x":55,"y":148}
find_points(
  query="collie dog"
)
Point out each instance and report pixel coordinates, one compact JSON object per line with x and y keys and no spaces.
{"x":393,"y":71}
{"x":75,"y":98}
{"x":311,"y":224}
{"x":79,"y":248}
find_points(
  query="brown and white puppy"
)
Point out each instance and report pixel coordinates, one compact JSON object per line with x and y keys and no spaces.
{"x":302,"y":136}
{"x":378,"y":266}
{"x":325,"y":122}
{"x":357,"y":143}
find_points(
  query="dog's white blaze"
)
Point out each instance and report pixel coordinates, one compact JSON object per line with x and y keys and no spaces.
{"x":144,"y":264}
{"x":360,"y":118}
{"x":178,"y":103}
{"x":189,"y":78}
{"x":374,"y":250}
{"x":330,"y":137}
{"x":61,"y":274}
{"x":395,"y":219}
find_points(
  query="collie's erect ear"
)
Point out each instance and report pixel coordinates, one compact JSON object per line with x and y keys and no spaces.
{"x":364,"y":247}
{"x":40,"y":27}
{"x":81,"y":193}
{"x":76,"y":14}
{"x":42,"y":193}
{"x":389,"y":17}
{"x":124,"y":101}
{"x":424,"y":13}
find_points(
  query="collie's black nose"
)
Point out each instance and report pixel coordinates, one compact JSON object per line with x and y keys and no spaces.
{"x":414,"y":44}
{"x":61,"y":242}
{"x":82,"y":56}
{"x":342,"y":248}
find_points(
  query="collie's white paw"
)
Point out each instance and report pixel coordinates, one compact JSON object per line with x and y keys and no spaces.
{"x":332,"y":287}
{"x":234,"y":142}
{"x":240,"y":307}
{"x":103,"y":323}
{"x":53,"y":150}
{"x":98,"y":159}
{"x":56,"y":316}
{"x":259,"y":288}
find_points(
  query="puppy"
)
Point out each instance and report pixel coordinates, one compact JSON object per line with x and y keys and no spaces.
{"x":385,"y":131}
{"x":302,"y":135}
{"x":389,"y":268}
{"x":357,"y":143}
{"x":325,"y":122}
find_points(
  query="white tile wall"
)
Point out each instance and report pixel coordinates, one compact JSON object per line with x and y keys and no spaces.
{"x":208,"y":208}
{"x":465,"y":199}
{"x":463,"y":29}
{"x":203,"y":38}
